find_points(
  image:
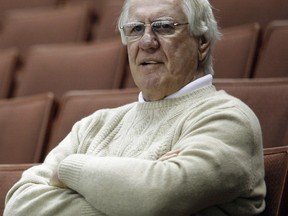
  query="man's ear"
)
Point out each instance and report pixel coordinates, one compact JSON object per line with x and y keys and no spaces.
{"x":203,"y":49}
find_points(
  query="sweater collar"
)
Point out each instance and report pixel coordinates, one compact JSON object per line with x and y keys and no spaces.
{"x":192,"y":86}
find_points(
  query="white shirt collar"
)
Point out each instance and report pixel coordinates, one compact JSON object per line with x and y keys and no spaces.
{"x":192,"y":86}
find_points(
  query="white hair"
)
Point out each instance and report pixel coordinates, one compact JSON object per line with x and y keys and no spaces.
{"x":201,"y":20}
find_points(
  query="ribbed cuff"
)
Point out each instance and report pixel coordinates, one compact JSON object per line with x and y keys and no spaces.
{"x":69,"y":170}
{"x":88,"y":210}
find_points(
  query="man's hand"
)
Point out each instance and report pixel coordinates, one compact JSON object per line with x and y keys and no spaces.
{"x":170,"y":154}
{"x":54,"y":181}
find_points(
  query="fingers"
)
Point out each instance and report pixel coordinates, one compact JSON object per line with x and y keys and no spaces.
{"x":169,"y":155}
{"x":54,"y":181}
{"x":163,"y":158}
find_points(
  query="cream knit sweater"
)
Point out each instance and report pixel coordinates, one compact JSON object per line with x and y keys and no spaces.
{"x":108,"y":163}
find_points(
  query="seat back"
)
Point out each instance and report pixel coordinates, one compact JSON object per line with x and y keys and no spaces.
{"x":24,"y":28}
{"x":273,"y":56}
{"x":8,"y":61}
{"x":107,"y":25}
{"x":128,"y":81}
{"x":6,"y":5}
{"x":235,"y":53}
{"x":96,"y":5}
{"x":268,"y":98}
{"x":9,"y":175}
{"x":17,"y":4}
{"x":86,"y":102}
{"x":75,"y":67}
{"x":234,"y":12}
{"x":276,"y":168}
{"x":24,"y":124}
{"x":105,"y":15}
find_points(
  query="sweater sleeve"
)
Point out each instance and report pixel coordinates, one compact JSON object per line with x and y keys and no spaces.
{"x":220,"y":163}
{"x":35,"y":194}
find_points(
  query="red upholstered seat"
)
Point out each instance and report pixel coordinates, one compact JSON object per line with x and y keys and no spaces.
{"x":59,"y":69}
{"x":276,"y":168}
{"x":273,"y":55}
{"x":8,"y":62}
{"x":24,"y":125}
{"x":268,"y":98}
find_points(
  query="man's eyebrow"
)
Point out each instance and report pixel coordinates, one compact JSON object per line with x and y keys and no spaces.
{"x":133,"y":22}
{"x":164,"y":18}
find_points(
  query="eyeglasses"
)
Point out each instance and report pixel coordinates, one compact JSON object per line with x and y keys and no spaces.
{"x":161,"y":27}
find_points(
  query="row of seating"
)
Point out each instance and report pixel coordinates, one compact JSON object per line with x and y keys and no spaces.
{"x":31,"y":129}
{"x":63,"y":67}
{"x":24,"y":28}
{"x":73,"y":23}
{"x":7,"y":5}
{"x":276,"y":178}
{"x":233,"y":12}
{"x":63,"y":24}
{"x":31,"y":126}
{"x":228,"y":12}
{"x":242,"y":54}
{"x":104,"y":65}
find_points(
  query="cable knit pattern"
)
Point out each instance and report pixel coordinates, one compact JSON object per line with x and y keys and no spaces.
{"x":109,"y":165}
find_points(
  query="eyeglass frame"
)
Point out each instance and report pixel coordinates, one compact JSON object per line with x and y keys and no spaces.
{"x":174,"y":24}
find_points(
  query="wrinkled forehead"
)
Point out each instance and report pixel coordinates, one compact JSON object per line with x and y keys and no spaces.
{"x":150,"y":10}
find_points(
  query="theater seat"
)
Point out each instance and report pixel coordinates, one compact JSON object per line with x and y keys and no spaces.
{"x":106,"y":27}
{"x":234,"y":12}
{"x":24,"y":124}
{"x":273,"y":56}
{"x":86,"y":102}
{"x":276,"y":170}
{"x":9,"y":175}
{"x":6,"y":5}
{"x":235,"y":53}
{"x":8,"y":62}
{"x":105,"y":16}
{"x":268,"y":98}
{"x":24,"y":28}
{"x":128,"y":81}
{"x":59,"y":69}
{"x":96,"y":5}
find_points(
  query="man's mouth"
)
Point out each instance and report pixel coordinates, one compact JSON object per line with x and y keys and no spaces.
{"x":149,"y":63}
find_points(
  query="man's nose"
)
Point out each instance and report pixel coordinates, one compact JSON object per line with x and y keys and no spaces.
{"x":149,"y":39}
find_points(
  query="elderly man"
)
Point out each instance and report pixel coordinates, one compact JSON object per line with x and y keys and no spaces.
{"x":182,"y":149}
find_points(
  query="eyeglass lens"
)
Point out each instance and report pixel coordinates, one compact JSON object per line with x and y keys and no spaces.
{"x":158,"y":27}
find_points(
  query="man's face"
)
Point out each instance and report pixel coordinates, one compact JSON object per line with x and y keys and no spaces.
{"x":161,"y":64}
